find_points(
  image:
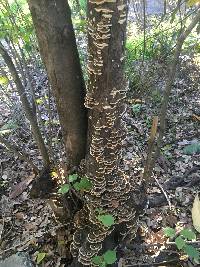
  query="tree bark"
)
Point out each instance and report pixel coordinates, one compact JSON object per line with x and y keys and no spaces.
{"x":112,"y":192}
{"x":52,"y":21}
{"x":26,"y":106}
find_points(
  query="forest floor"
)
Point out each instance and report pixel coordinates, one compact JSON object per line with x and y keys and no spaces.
{"x":29,"y":224}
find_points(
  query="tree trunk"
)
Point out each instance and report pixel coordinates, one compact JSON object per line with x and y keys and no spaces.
{"x":26,"y":106}
{"x":52,"y":20}
{"x":112,"y":192}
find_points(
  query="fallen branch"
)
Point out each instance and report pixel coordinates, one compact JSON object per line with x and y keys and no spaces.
{"x":13,"y":248}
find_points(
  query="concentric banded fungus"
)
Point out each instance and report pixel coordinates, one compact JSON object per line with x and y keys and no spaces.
{"x":112,"y":190}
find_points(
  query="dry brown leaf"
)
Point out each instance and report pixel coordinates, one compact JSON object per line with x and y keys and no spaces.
{"x":30,"y":226}
{"x":19,"y":215}
{"x":19,"y":188}
{"x":195,"y":117}
{"x":196,"y":213}
{"x":115,"y":203}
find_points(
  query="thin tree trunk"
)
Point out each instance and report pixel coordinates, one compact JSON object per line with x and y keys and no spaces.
{"x":52,"y":20}
{"x":155,"y":148}
{"x":164,"y":7}
{"x":28,"y":111}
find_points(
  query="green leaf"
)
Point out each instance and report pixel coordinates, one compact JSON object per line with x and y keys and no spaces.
{"x":97,"y":260}
{"x":64,"y":189}
{"x":28,"y":47}
{"x":77,"y":186}
{"x":107,"y":219}
{"x":72,"y":177}
{"x":192,"y":149}
{"x":110,"y":256}
{"x":188,"y":234}
{"x":173,"y":15}
{"x":136,"y":108}
{"x":170,"y":232}
{"x":180,"y":242}
{"x":84,"y":184}
{"x":39,"y":101}
{"x":193,"y":2}
{"x":3,"y":80}
{"x":192,"y":252}
{"x":40,"y":257}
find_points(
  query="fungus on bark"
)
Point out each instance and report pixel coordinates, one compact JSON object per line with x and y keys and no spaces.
{"x":112,"y":190}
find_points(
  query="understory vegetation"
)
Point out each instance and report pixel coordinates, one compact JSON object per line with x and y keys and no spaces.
{"x":45,"y":198}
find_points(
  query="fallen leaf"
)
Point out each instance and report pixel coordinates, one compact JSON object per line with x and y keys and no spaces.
{"x":40,"y":257}
{"x":115,"y":203}
{"x":195,"y":117}
{"x":19,"y":215}
{"x":196,"y":213}
{"x":19,"y":188}
{"x":30,"y":226}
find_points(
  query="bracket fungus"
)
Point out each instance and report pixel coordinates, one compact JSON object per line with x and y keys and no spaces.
{"x":112,"y":191}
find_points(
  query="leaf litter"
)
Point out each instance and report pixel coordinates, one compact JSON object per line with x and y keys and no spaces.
{"x":30,"y":225}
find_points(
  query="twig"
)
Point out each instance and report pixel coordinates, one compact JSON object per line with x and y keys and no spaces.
{"x":150,"y":148}
{"x":1,"y":172}
{"x":1,"y":232}
{"x":165,"y":194}
{"x":15,"y":247}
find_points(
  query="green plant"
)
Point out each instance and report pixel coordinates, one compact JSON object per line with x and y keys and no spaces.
{"x":181,"y":240}
{"x":84,"y":184}
{"x":106,"y":219}
{"x":109,"y":257}
{"x":83,"y":5}
{"x":64,"y":189}
{"x":160,"y":41}
{"x":17,"y":24}
{"x":192,"y":148}
{"x":136,"y":108}
{"x":40,"y":257}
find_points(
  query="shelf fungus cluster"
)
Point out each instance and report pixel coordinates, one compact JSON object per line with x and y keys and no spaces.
{"x":112,"y":191}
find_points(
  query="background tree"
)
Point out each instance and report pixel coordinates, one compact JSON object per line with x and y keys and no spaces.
{"x":27,"y":108}
{"x":52,"y":20}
